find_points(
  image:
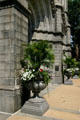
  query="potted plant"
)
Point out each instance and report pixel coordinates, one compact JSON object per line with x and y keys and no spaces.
{"x":38,"y":57}
{"x":71,"y":67}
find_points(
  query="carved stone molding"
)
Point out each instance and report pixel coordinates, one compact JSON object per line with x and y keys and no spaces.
{"x":53,"y":8}
{"x":14,"y":3}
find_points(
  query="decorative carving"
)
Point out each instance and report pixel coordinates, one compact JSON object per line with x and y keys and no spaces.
{"x":64,"y":28}
{"x":53,"y":8}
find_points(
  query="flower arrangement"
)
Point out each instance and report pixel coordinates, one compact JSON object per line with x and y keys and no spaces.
{"x":70,"y":62}
{"x":71,"y":66}
{"x":27,"y":74}
{"x":38,"y":57}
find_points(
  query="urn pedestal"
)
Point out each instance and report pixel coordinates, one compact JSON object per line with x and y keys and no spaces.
{"x":68,"y":80}
{"x":36,"y":105}
{"x":76,"y":76}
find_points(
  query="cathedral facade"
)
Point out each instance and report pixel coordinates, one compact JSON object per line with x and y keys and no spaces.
{"x":22,"y":21}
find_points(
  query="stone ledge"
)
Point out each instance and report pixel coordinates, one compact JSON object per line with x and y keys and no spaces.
{"x":20,"y":115}
{"x":10,"y":88}
{"x":10,"y":99}
{"x":49,"y":32}
{"x":66,"y":110}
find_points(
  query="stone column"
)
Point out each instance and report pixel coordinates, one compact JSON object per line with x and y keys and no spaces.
{"x":68,"y":34}
{"x":57,"y":47}
{"x":13,"y":32}
{"x":58,"y":20}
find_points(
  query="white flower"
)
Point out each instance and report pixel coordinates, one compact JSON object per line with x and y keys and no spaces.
{"x":41,"y":67}
{"x":33,"y":70}
{"x":69,"y":69}
{"x":76,"y":68}
{"x":27,"y":75}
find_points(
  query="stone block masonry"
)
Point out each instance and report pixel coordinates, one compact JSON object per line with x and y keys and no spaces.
{"x":52,"y":25}
{"x":10,"y":99}
{"x":29,"y":20}
{"x":13,"y":32}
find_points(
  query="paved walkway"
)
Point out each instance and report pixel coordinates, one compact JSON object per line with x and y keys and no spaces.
{"x":4,"y":116}
{"x":64,"y":102}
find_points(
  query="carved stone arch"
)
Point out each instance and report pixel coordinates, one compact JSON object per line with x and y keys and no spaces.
{"x":41,"y":15}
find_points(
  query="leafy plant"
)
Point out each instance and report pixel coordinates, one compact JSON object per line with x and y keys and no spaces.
{"x":36,"y":55}
{"x":72,"y":65}
{"x":71,"y":62}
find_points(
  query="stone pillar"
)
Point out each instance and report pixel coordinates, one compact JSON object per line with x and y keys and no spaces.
{"x":55,"y":34}
{"x":13,"y":32}
{"x":58,"y":20}
{"x":68,"y":34}
{"x":58,"y":63}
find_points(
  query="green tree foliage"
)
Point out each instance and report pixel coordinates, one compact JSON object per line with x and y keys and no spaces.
{"x":74,"y":19}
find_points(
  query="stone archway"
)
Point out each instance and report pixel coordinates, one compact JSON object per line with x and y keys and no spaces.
{"x":47,"y":21}
{"x":41,"y":15}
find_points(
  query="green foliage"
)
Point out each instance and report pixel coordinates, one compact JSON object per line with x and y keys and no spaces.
{"x":45,"y":76}
{"x":72,"y":65}
{"x":71,"y":62}
{"x":74,"y":19}
{"x":37,"y":54}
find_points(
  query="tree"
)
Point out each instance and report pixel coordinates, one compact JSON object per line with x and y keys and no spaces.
{"x":74,"y":19}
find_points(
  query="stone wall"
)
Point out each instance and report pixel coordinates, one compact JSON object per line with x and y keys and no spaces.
{"x":13,"y":32}
{"x":10,"y":99}
{"x":47,"y":20}
{"x":52,"y":25}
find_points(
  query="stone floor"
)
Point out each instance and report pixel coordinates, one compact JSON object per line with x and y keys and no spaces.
{"x":64,"y":102}
{"x":64,"y":98}
{"x":4,"y":116}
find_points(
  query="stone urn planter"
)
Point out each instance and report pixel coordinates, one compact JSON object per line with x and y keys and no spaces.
{"x":68,"y":74}
{"x":76,"y":73}
{"x":38,"y":58}
{"x":36,"y":105}
{"x":36,"y":87}
{"x":68,"y":81}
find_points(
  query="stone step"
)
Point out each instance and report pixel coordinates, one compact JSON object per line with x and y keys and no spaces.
{"x":23,"y":116}
{"x":62,"y":115}
{"x":4,"y":116}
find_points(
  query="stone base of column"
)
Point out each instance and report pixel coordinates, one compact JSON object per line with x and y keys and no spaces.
{"x":10,"y":99}
{"x":35,"y":106}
